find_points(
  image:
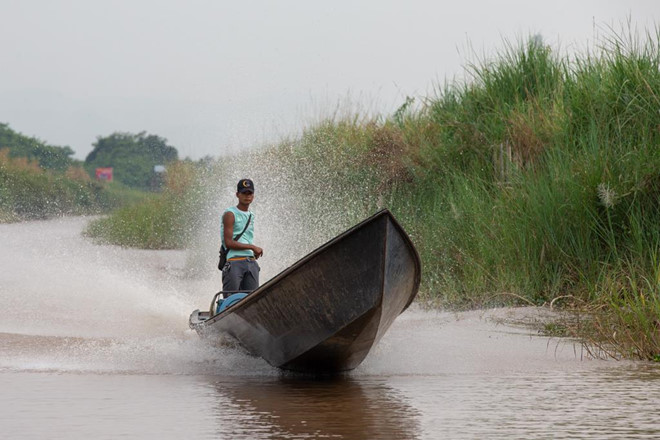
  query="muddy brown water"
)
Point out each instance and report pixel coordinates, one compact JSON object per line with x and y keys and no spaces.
{"x":94,"y":344}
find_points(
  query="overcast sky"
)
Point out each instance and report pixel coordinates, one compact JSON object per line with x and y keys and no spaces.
{"x":216,"y":76}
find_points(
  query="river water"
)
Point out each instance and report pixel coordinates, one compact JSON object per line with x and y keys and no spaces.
{"x":94,"y":343}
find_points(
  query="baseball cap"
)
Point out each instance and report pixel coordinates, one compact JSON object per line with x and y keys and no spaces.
{"x":245,"y":185}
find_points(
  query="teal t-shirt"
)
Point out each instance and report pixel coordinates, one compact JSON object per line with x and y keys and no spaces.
{"x":240,"y":219}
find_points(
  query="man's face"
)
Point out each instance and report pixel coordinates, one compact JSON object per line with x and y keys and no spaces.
{"x":245,"y":197}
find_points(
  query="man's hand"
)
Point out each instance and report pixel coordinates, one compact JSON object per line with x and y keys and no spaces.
{"x":258,"y":252}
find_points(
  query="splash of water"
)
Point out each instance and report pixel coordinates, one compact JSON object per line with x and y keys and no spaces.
{"x":298,"y":204}
{"x":68,"y":304}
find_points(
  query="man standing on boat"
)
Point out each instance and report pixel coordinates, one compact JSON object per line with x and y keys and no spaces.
{"x":241,"y":272}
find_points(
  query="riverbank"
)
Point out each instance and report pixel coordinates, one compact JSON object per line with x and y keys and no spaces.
{"x":534,"y":182}
{"x":165,"y":220}
{"x":29,"y":191}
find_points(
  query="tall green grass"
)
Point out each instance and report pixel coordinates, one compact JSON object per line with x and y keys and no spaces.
{"x":536,"y":179}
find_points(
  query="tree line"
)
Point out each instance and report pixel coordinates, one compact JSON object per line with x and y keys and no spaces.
{"x":132,"y":156}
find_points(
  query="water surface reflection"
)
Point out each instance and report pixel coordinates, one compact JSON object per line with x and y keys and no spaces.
{"x":267,"y":408}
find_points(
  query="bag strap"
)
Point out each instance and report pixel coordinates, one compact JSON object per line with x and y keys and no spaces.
{"x":237,"y":237}
{"x":244,"y":229}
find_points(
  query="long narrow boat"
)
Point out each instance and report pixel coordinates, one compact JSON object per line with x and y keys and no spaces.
{"x":325,"y":312}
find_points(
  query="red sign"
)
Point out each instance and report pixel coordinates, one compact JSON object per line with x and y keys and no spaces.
{"x":104,"y":174}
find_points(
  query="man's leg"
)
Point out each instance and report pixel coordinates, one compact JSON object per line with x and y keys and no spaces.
{"x":250,"y":277}
{"x":231,"y":277}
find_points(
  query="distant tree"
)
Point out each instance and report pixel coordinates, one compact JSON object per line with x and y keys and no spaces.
{"x":132,"y":157}
{"x":48,"y":156}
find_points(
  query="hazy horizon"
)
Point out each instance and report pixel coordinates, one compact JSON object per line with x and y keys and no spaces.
{"x":214,"y":77}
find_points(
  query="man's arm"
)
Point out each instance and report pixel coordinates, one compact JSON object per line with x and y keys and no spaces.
{"x":228,"y":234}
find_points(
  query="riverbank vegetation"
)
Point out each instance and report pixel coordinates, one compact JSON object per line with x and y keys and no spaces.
{"x":29,"y":191}
{"x":536,"y":181}
{"x":39,"y":180}
{"x":163,"y":220}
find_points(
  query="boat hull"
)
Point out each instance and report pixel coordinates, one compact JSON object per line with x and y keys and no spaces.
{"x":325,"y":312}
